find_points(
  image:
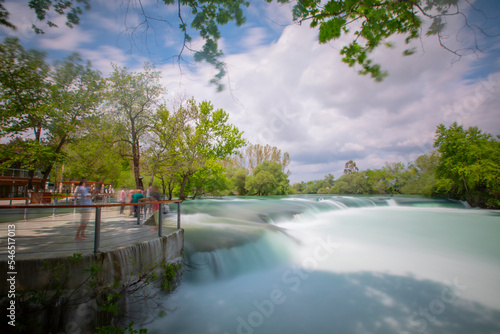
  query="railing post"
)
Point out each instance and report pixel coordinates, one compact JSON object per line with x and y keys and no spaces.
{"x":160,"y":219}
{"x":54,"y":209}
{"x":138,"y":213}
{"x":178,"y":215}
{"x":26,"y":209}
{"x":97,"y":229}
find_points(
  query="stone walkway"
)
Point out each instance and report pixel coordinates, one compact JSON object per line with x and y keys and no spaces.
{"x":53,"y":236}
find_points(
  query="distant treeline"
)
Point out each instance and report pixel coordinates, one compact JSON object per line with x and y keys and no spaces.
{"x":465,"y":165}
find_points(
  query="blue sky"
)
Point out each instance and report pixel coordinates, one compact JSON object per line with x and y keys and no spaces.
{"x":285,"y":89}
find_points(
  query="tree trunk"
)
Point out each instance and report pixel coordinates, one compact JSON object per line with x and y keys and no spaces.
{"x":153,"y":173}
{"x":170,"y":189}
{"x":31,"y":175}
{"x":163,"y":187}
{"x":46,"y":172}
{"x":136,"y":165}
{"x":195,"y":194}
{"x":183,"y":184}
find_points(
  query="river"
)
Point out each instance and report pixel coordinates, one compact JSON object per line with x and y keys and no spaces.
{"x":336,"y":264}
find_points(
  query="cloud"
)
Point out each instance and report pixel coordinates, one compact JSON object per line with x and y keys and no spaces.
{"x":297,"y":95}
{"x":66,"y":39}
{"x":105,"y":55}
{"x":285,"y":89}
{"x":254,"y":38}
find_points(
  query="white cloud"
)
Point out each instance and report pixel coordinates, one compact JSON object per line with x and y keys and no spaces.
{"x":351,"y":147}
{"x":65,"y":39}
{"x":254,"y":38}
{"x":103,"y":56}
{"x":300,"y":97}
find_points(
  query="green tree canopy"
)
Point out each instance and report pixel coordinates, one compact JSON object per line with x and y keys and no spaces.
{"x":45,"y":105}
{"x":192,"y":140}
{"x":366,"y":25}
{"x":469,"y":166}
{"x":133,"y":98}
{"x":267,"y":179}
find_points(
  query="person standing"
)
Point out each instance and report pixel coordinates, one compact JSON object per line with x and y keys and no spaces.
{"x":83,"y":198}
{"x":130,"y":197}
{"x":135,"y":199}
{"x":156,"y":197}
{"x":123,"y":199}
{"x":148,"y":195}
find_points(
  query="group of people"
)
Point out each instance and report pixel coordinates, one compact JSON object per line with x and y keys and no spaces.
{"x":84,"y":197}
{"x":135,"y":196}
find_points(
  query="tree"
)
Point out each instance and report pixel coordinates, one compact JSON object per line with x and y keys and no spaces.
{"x":132,"y":100}
{"x":469,"y":166}
{"x":75,"y":97}
{"x":25,"y":95}
{"x":89,"y":155}
{"x":201,"y":137}
{"x":299,"y":187}
{"x":71,"y":9}
{"x":366,"y":24}
{"x":210,"y":180}
{"x":255,"y":154}
{"x":267,"y":179}
{"x":353,"y":183}
{"x":162,"y":151}
{"x":238,"y":177}
{"x":422,"y":175}
{"x":47,"y":105}
{"x":350,"y":167}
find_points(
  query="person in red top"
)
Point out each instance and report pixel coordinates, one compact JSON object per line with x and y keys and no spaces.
{"x":130,"y":195}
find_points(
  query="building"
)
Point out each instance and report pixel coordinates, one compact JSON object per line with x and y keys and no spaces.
{"x":13,"y":182}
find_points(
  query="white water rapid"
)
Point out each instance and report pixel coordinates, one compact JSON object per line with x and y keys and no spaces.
{"x":336,"y":264}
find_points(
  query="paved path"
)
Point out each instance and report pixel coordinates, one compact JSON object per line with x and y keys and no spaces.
{"x":54,"y":236}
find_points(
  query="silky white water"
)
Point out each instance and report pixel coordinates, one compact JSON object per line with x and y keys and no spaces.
{"x":336,"y":265}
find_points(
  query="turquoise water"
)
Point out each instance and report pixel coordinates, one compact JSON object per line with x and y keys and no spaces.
{"x":336,"y":265}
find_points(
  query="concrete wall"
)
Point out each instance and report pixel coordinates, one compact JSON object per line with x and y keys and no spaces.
{"x":118,"y":264}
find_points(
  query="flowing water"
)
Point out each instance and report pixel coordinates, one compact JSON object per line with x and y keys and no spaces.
{"x":336,"y":264}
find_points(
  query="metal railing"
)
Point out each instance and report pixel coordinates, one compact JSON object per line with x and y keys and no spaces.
{"x":141,"y":213}
{"x":37,"y":198}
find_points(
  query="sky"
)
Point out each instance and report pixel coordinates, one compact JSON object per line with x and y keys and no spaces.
{"x":285,"y":89}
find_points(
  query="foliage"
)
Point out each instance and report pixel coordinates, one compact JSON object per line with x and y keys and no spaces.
{"x":255,"y":154}
{"x":45,"y":105}
{"x":353,"y":183}
{"x":91,"y":158}
{"x":350,"y":167}
{"x":25,"y":95}
{"x":75,"y":97}
{"x":469,"y":166}
{"x":267,"y":179}
{"x":237,"y":177}
{"x":315,"y":186}
{"x":189,"y":141}
{"x":389,"y":179}
{"x":210,"y":180}
{"x":422,"y":177}
{"x":465,"y":166}
{"x":132,"y":100}
{"x":365,"y":25}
